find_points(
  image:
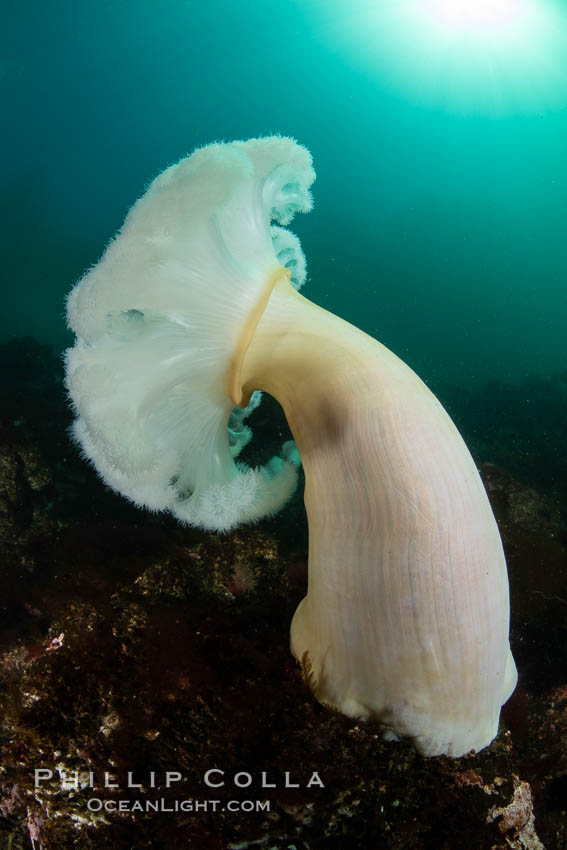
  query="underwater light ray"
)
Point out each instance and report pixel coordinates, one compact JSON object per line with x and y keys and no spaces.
{"x":482,"y":16}
{"x":491,"y":57}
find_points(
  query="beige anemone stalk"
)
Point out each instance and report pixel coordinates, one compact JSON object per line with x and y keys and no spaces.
{"x":406,"y":615}
{"x":189,"y":313}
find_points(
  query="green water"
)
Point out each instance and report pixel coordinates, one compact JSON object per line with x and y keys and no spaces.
{"x":440,"y":231}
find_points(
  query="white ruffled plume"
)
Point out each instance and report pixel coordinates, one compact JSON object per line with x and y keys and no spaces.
{"x":157,"y":321}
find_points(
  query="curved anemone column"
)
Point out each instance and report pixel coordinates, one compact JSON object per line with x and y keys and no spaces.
{"x":406,"y":616}
{"x":189,"y":312}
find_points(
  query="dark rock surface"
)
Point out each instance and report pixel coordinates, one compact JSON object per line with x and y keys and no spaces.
{"x":129,"y":644}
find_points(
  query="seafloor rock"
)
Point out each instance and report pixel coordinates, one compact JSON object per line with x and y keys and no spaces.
{"x":519,"y":505}
{"x":516,"y":820}
{"x":139,"y":647}
{"x":26,"y":490}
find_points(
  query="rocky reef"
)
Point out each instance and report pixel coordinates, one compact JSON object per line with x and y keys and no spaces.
{"x":147,"y":693}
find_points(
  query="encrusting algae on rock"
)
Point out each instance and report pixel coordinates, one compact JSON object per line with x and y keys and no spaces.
{"x":116,"y":694}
